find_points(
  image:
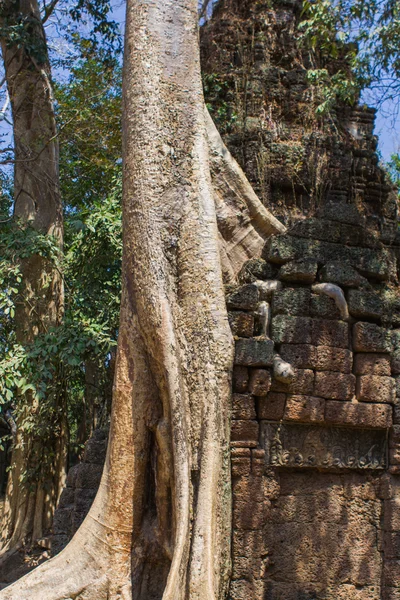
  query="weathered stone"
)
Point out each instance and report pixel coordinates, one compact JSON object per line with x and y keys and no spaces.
{"x":294,"y":330}
{"x":391,"y":514}
{"x":95,"y":451}
{"x":256,"y":268}
{"x":373,"y":263}
{"x":365,"y":305}
{"x":305,"y":409}
{"x":373,"y":388}
{"x":244,"y":433}
{"x":258,"y":462}
{"x":240,"y":378}
{"x":324,"y":307}
{"x":394,"y":436}
{"x":342,"y":212}
{"x":291,"y":301}
{"x":242,"y":298}
{"x":368,"y":337}
{"x":240,"y":462}
{"x":372,"y":364}
{"x":394,"y":455}
{"x":325,"y":332}
{"x":301,"y":356}
{"x":260,"y":382}
{"x":300,"y":445}
{"x":241,"y":323}
{"x":243,"y":407}
{"x":254,"y":352}
{"x":358,"y":414}
{"x":88,"y":475}
{"x":301,"y":271}
{"x":342,"y":274}
{"x":317,"y":229}
{"x":329,"y":358}
{"x":271,"y":407}
{"x":62,"y":522}
{"x":337,"y":386}
{"x":395,"y":362}
{"x":302,"y":383}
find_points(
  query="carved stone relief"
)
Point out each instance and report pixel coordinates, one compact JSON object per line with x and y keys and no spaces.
{"x":289,"y":445}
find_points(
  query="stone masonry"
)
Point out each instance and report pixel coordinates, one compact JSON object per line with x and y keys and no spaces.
{"x":316,"y":424}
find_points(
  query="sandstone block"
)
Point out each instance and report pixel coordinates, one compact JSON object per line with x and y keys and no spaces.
{"x":243,"y":407}
{"x":391,"y":514}
{"x":323,"y":307}
{"x":368,"y":337}
{"x":396,"y":413}
{"x":325,"y":332}
{"x":89,"y":475}
{"x":295,"y":330}
{"x":365,"y":305}
{"x":395,"y":362}
{"x":373,"y":263}
{"x":341,"y":274}
{"x":333,"y":385}
{"x":391,"y":541}
{"x":301,"y":356}
{"x":243,"y":298}
{"x":249,"y":515}
{"x":240,"y":462}
{"x":271,"y":407}
{"x":67,"y":498}
{"x":255,"y":269}
{"x":372,"y":364}
{"x":260,"y":382}
{"x":329,"y":358}
{"x":391,"y":572}
{"x":303,"y":383}
{"x":254,"y":352}
{"x":291,"y":301}
{"x":394,"y":456}
{"x":95,"y":451}
{"x":258,"y":462}
{"x":358,"y":414}
{"x":305,"y":409}
{"x":240,"y":378}
{"x":373,"y":388}
{"x":62,"y":522}
{"x":394,"y":436}
{"x":301,"y":271}
{"x":342,"y":212}
{"x":241,"y":323}
{"x":244,"y":433}
{"x":317,"y":229}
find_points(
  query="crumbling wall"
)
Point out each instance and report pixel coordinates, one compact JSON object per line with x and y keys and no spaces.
{"x":316,"y":442}
{"x":257,"y":88}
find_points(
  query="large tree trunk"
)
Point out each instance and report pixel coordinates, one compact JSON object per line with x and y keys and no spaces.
{"x":36,"y":460}
{"x":160,"y":525}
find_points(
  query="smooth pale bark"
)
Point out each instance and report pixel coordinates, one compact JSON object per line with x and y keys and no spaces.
{"x":160,"y":525}
{"x":29,"y":508}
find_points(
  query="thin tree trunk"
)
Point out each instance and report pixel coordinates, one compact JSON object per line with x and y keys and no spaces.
{"x":29,"y":507}
{"x":160,"y":525}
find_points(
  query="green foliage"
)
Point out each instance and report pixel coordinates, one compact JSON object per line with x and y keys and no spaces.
{"x":217,"y":93}
{"x":394,"y":169}
{"x":89,"y":117}
{"x":49,"y":373}
{"x":352,"y":45}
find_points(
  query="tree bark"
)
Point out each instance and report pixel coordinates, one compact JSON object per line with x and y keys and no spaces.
{"x":29,"y":507}
{"x":160,"y":525}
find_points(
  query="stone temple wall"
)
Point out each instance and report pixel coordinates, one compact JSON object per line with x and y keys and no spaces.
{"x":316,"y":415}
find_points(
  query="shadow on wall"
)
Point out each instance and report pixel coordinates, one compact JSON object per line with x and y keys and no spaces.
{"x":321,"y":541}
